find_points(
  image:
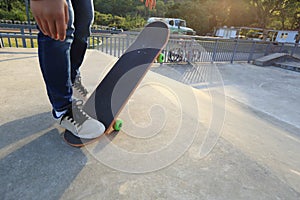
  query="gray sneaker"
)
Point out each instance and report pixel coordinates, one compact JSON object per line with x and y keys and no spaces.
{"x":81,"y":124}
{"x":79,"y":91}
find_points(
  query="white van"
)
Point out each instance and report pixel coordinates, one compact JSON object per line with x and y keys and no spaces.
{"x":176,"y":26}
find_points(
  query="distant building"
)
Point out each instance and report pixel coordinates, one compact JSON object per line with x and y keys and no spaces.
{"x":250,"y":33}
{"x":227,"y":33}
{"x":286,"y":36}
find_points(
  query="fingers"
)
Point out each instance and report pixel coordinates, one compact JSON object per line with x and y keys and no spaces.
{"x":52,"y":28}
{"x":62,"y":23}
{"x":48,"y":27}
{"x":44,"y":27}
{"x":66,"y":15}
{"x":153,"y":3}
{"x":41,"y":26}
{"x":52,"y":17}
{"x":150,"y":3}
{"x":61,"y":30}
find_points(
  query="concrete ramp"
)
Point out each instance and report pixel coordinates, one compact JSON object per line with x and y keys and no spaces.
{"x":271,"y":59}
{"x":162,"y":114}
{"x":294,"y":66}
{"x":157,"y":155}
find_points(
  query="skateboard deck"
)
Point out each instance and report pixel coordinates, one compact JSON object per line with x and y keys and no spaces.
{"x":113,"y":92}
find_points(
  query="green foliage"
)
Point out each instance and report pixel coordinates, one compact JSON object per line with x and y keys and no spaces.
{"x":13,"y":10}
{"x":128,"y":22}
{"x":201,"y":15}
{"x":205,"y":15}
{"x":117,"y":7}
{"x":102,"y":19}
{"x":199,"y":21}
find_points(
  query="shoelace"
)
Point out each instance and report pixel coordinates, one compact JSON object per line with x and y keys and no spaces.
{"x":76,"y":115}
{"x":80,"y":87}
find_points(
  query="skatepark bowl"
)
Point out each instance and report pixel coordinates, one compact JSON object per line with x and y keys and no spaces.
{"x":192,"y":130}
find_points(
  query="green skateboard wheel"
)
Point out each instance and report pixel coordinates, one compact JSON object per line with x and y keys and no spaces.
{"x":118,"y":124}
{"x":161,"y":58}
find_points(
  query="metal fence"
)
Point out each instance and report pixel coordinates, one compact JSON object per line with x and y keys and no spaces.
{"x":179,"y":48}
{"x":16,"y":35}
{"x":197,"y":49}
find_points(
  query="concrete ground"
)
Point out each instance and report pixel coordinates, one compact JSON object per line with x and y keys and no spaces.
{"x":237,"y":140}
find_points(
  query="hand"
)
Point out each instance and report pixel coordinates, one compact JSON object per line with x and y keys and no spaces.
{"x":51,"y":16}
{"x":150,"y":3}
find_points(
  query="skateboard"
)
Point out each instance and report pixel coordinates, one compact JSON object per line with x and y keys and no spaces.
{"x":113,"y":92}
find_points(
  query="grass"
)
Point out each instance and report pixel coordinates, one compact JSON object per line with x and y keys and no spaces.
{"x":18,"y":42}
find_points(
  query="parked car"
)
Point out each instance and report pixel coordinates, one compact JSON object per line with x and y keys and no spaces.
{"x":176,"y":25}
{"x":115,"y":30}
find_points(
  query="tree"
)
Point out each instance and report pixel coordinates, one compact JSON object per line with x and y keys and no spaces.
{"x":264,"y":10}
{"x":282,"y":14}
{"x":13,"y":10}
{"x":193,"y":12}
{"x":240,"y":13}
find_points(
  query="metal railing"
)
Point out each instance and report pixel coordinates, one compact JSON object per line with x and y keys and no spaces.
{"x":197,"y":49}
{"x":179,"y":48}
{"x":17,"y":35}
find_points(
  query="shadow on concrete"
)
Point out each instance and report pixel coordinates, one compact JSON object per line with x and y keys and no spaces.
{"x":35,"y":163}
{"x":104,"y":141}
{"x":17,"y":52}
{"x":22,"y":128}
{"x":20,"y":58}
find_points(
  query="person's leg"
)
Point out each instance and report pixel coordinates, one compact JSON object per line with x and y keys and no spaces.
{"x":84,"y":16}
{"x":55,"y":63}
{"x":54,"y":58}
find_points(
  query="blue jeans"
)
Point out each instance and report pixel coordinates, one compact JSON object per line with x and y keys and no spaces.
{"x":60,"y":60}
